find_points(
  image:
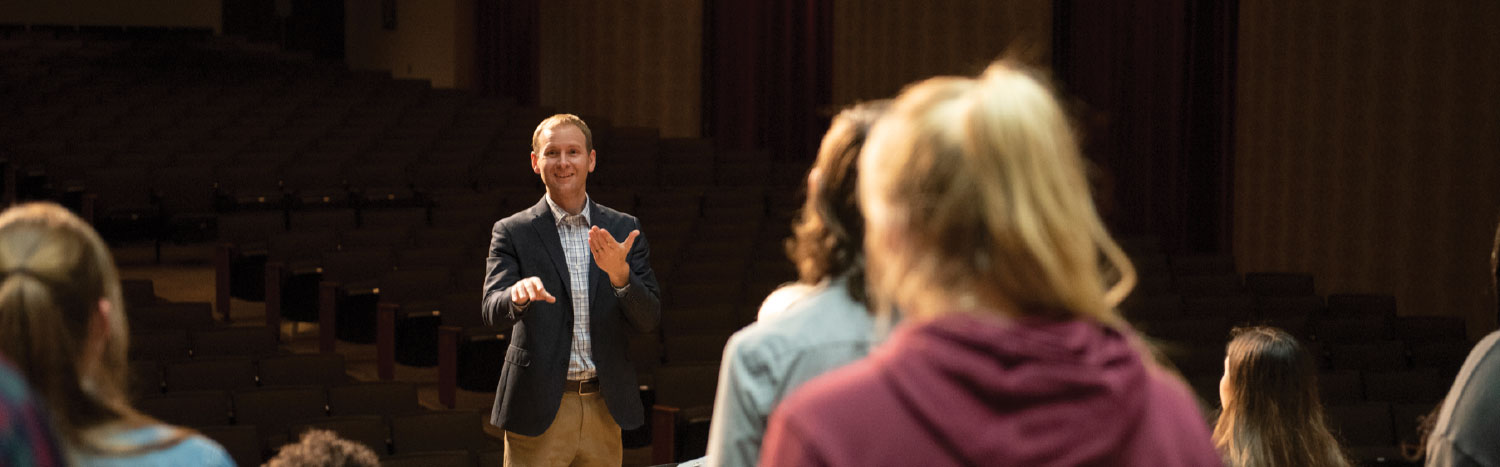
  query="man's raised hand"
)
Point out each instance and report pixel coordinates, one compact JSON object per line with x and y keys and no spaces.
{"x":611,"y":255}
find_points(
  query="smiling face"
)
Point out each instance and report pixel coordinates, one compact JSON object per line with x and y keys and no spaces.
{"x":563,"y":159}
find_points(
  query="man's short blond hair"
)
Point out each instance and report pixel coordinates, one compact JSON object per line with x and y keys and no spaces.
{"x":559,"y":119}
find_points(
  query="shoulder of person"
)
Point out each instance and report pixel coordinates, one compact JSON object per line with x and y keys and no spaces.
{"x":519,"y":217}
{"x":607,"y":213}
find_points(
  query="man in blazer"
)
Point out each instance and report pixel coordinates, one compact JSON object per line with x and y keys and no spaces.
{"x":558,"y":273}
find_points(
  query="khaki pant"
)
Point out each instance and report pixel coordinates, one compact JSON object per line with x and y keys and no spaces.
{"x":582,"y":434}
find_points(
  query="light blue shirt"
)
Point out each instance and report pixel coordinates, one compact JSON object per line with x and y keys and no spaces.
{"x":769,"y":359}
{"x":193,"y":451}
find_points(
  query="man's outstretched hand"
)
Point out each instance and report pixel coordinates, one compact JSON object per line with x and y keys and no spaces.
{"x":529,"y":289}
{"x":611,"y":255}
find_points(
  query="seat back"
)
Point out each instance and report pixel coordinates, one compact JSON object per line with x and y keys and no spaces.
{"x":303,"y":369}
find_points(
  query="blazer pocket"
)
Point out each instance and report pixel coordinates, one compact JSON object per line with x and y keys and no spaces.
{"x":517,"y":356}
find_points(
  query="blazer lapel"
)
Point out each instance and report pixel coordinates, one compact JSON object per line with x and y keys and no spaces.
{"x":545,"y":226}
{"x":596,"y":275}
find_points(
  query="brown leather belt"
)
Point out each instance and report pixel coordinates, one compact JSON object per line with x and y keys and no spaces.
{"x":588,"y":386}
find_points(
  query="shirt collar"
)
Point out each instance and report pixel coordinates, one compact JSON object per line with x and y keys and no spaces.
{"x":558,"y":213}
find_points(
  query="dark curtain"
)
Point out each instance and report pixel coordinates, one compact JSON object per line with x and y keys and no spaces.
{"x":767,"y":74}
{"x":508,"y":37}
{"x":1152,"y":85}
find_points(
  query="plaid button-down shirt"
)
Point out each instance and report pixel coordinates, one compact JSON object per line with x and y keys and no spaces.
{"x":573,"y":231}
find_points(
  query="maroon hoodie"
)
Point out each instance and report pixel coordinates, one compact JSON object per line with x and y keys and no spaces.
{"x":966,"y":390}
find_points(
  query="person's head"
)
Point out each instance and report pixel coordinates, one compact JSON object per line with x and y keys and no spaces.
{"x":1272,"y":415}
{"x":322,"y":448}
{"x":974,"y":193}
{"x":61,"y":319}
{"x":830,"y":231}
{"x":562,"y":152}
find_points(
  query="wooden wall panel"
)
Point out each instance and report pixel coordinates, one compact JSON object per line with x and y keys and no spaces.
{"x":1368,"y":148}
{"x":636,"y":63}
{"x":881,"y":46}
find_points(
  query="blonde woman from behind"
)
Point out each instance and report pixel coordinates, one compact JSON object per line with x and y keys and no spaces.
{"x":62,"y":323}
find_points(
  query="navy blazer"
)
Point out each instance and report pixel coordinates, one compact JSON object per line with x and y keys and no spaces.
{"x":536,"y":364}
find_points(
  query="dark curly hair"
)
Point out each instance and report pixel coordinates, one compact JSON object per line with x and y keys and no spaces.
{"x":829,"y":234}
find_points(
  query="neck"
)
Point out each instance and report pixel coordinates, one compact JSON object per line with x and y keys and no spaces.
{"x":571,"y":204}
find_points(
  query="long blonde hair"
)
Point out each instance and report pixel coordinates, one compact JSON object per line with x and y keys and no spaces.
{"x":981,"y":187}
{"x":1272,"y":416}
{"x":54,"y":270}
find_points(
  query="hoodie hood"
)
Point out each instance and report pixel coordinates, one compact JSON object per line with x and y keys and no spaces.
{"x":1029,"y":391}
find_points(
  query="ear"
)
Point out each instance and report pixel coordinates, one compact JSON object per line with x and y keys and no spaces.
{"x":537,"y":169}
{"x":591,"y":161}
{"x":814,"y":177}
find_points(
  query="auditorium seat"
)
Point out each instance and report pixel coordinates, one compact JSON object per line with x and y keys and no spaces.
{"x":1445,"y":357}
{"x":250,"y":187}
{"x":122,"y":204}
{"x":439,"y":431}
{"x":1349,"y":305}
{"x":742,"y":168}
{"x":415,"y":294}
{"x":442,"y":255}
{"x":1365,"y":429}
{"x":241,"y":441}
{"x":332,"y":218}
{"x":1408,"y":417}
{"x":159,"y":344}
{"x":1201,"y":359}
{"x":1351,"y":330}
{"x":173,"y":316}
{"x":695,"y":348}
{"x":1430,"y":329}
{"x":668,"y":204}
{"x":273,"y":410}
{"x":1369,"y":356}
{"x":302,"y":370}
{"x":384,"y":398}
{"x":1224,"y":284}
{"x":1204,"y":330}
{"x":350,"y":280}
{"x":378,"y":236}
{"x":248,"y":341}
{"x":240,"y":263}
{"x":199,"y":374}
{"x":409,"y":215}
{"x":137,"y":293}
{"x":145,"y":377}
{"x":1236,"y":308}
{"x":467,"y":217}
{"x":382,"y":186}
{"x":1413,"y":385}
{"x":444,"y":172}
{"x":451,"y":458}
{"x":188,"y":408}
{"x":1202,"y":265}
{"x":1304,"y":306}
{"x":1149,"y":307}
{"x":684,"y":405}
{"x":1281,"y":284}
{"x":293,"y":273}
{"x":1341,"y":387}
{"x":467,"y":348}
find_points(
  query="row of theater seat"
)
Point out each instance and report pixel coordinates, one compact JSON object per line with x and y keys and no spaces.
{"x":1378,"y":371}
{"x":236,"y":385}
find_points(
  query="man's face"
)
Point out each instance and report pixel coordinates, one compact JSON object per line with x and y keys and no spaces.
{"x":564,"y":160}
